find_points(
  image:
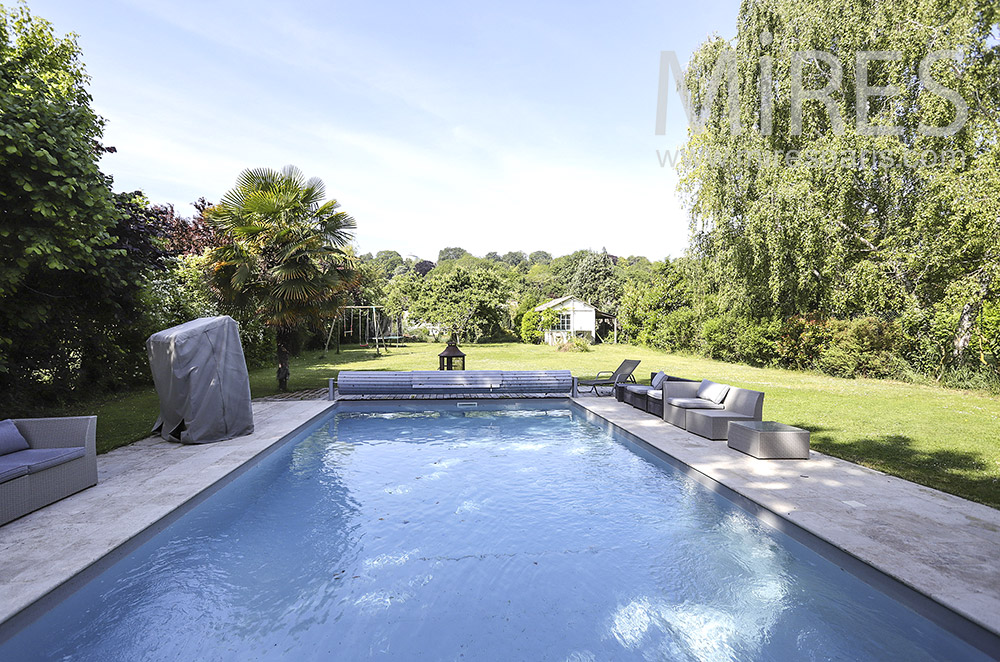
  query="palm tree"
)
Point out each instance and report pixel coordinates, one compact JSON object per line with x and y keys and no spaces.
{"x":283,"y":260}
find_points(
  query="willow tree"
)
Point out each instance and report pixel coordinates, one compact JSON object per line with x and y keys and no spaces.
{"x":874,"y":194}
{"x":283,"y":259}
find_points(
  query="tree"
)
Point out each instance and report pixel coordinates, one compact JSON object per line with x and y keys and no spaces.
{"x":283,"y":259}
{"x":647,"y":303}
{"x":514,"y":258}
{"x":389,"y":262}
{"x":471,"y":305}
{"x":423,"y":267}
{"x":59,"y":256}
{"x":189,"y":236}
{"x":597,"y":281}
{"x":451,"y":253}
{"x":849,"y":222}
{"x":540,"y":257}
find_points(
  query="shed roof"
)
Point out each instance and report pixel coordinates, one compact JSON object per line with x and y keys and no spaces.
{"x":561,"y":300}
{"x":556,"y":302}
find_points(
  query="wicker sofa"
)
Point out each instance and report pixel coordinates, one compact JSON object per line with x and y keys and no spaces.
{"x":707,"y":408}
{"x":61,"y":459}
{"x":636,"y":394}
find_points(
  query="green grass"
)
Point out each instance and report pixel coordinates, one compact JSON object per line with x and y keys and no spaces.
{"x":938,"y":437}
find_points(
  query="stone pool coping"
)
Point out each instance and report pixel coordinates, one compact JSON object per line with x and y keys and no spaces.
{"x":941,"y":545}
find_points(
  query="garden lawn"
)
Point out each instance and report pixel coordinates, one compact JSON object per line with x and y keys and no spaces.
{"x":942,"y":438}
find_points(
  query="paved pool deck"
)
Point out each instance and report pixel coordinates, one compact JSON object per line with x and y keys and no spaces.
{"x":944,"y":547}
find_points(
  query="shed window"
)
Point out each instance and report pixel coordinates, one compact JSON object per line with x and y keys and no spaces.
{"x":564,"y":323}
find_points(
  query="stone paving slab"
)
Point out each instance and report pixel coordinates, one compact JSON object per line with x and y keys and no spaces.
{"x":137,"y":485}
{"x":943,"y":546}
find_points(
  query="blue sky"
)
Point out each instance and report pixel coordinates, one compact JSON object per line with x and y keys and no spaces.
{"x":514,"y":126}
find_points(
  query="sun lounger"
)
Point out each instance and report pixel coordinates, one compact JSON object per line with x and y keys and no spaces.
{"x":622,"y":374}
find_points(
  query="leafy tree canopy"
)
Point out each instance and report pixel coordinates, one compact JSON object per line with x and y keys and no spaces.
{"x":865,"y":228}
{"x":283,"y":258}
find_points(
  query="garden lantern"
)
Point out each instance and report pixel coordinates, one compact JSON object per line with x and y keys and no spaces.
{"x":452,"y":358}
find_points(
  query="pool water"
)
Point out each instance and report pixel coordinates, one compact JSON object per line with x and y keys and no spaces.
{"x":493,"y":533}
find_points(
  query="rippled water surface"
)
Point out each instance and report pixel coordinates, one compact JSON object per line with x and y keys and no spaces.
{"x":452,"y":534}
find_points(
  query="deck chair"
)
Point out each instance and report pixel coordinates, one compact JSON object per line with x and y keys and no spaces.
{"x":622,"y":374}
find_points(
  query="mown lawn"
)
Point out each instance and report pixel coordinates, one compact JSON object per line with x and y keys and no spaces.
{"x":946,"y":439}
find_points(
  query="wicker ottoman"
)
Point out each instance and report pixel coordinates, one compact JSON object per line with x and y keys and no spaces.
{"x":769,"y":440}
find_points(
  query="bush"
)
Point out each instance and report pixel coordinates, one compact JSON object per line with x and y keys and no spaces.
{"x":678,"y":329}
{"x":575,"y":344}
{"x":838,"y":361}
{"x":531,"y":332}
{"x":801,"y":340}
{"x":757,"y":342}
{"x":736,"y":339}
{"x":864,"y":347}
{"x":719,"y":334}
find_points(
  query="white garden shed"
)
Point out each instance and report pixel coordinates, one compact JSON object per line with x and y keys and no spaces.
{"x":578,"y":318}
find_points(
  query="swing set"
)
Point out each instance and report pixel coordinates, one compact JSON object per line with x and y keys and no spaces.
{"x":368,"y":326}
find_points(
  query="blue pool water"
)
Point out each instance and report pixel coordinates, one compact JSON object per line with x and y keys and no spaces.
{"x":497,"y":533}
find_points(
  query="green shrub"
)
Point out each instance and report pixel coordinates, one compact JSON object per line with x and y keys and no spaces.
{"x":575,"y":344}
{"x":735,"y":339}
{"x":756,"y":343}
{"x":838,"y":361}
{"x":719,"y":335}
{"x":864,"y":347}
{"x":680,"y":329}
{"x":531,"y":332}
{"x":800,"y":342}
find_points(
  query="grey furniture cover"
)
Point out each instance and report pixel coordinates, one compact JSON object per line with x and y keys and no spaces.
{"x":201,"y":377}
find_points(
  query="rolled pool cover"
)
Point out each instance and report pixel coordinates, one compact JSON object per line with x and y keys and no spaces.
{"x":202,"y":381}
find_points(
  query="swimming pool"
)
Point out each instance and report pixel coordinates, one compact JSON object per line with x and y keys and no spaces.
{"x":487,"y":532}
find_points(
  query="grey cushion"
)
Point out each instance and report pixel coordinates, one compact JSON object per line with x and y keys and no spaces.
{"x":11,"y":439}
{"x":657,"y":379}
{"x":694,"y":403}
{"x":638,"y":388}
{"x":12,"y":472}
{"x":656,"y":395}
{"x":711,"y":391}
{"x":39,"y":459}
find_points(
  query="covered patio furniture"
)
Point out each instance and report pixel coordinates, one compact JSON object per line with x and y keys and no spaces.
{"x":622,"y":374}
{"x":201,"y":377}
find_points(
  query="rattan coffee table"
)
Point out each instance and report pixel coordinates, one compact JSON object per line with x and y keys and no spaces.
{"x":769,"y":440}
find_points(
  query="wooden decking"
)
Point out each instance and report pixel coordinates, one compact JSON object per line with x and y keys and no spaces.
{"x":308,"y":394}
